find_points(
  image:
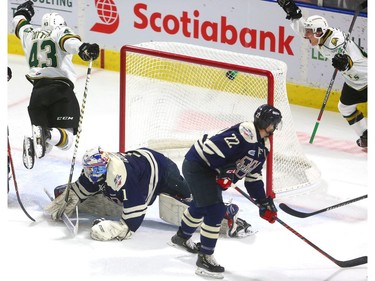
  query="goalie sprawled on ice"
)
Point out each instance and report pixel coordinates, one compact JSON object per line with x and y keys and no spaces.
{"x":132,"y":181}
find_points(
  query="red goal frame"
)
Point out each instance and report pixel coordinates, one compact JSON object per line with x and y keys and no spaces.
{"x":157,"y":53}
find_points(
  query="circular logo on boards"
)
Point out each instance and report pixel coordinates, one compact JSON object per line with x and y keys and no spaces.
{"x":108,"y":14}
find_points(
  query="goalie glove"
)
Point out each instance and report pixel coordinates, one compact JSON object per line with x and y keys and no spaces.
{"x":342,"y":62}
{"x":226,"y":176}
{"x":290,"y":8}
{"x":56,"y":206}
{"x":267,"y":209}
{"x":104,"y":230}
{"x":25,"y":9}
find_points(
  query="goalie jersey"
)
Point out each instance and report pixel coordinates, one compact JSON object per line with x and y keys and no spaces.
{"x":133,"y":180}
{"x":241,"y":145}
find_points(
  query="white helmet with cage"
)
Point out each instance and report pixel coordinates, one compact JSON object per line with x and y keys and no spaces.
{"x":51,"y":20}
{"x":95,"y":162}
{"x":317,"y":24}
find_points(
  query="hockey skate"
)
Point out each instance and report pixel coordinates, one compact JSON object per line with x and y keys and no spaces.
{"x":40,"y":137}
{"x":207,"y":266}
{"x":178,"y":241}
{"x":362,"y":141}
{"x":28,"y":154}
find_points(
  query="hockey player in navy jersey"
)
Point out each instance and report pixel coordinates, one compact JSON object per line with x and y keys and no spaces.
{"x":210,"y":167}
{"x":53,"y":108}
{"x":351,"y":63}
{"x":133,"y":180}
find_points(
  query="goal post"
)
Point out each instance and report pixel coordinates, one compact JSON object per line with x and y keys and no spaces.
{"x":173,"y":93}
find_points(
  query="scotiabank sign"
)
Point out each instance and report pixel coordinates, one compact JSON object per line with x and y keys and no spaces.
{"x":222,"y":31}
{"x":244,"y":26}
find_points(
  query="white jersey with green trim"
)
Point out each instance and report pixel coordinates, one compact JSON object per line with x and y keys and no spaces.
{"x":48,"y":53}
{"x":332,"y":43}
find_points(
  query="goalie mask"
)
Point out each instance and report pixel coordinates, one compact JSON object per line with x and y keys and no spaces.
{"x":267,"y":115}
{"x":316,"y":25}
{"x":51,"y":20}
{"x":95,"y":162}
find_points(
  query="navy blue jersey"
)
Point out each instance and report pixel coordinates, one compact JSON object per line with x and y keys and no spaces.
{"x":241,"y":145}
{"x":133,"y":179}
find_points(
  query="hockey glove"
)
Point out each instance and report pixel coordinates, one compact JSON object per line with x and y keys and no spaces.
{"x":226,"y":176}
{"x":267,"y":209}
{"x":55,"y":207}
{"x":291,"y":9}
{"x":26,"y":9}
{"x":104,"y":230}
{"x":342,"y":62}
{"x":89,"y":51}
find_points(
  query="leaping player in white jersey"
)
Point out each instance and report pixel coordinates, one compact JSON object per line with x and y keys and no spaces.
{"x":53,"y":108}
{"x":351,"y":62}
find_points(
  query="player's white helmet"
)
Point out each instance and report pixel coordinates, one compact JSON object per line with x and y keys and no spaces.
{"x":95,"y":162}
{"x":51,"y":20}
{"x":317,"y":24}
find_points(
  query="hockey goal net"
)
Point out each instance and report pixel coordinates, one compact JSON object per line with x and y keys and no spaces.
{"x":173,"y":93}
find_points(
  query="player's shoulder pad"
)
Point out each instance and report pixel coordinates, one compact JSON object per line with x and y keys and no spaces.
{"x":248,"y":132}
{"x":116,"y":172}
{"x":336,"y":39}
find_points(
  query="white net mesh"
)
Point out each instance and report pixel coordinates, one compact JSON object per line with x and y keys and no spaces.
{"x":171,"y":102}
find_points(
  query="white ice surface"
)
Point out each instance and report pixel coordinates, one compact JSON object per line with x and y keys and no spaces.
{"x":45,"y":250}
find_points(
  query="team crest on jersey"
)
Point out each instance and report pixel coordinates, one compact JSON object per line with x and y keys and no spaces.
{"x":334,"y":41}
{"x":117,"y":180}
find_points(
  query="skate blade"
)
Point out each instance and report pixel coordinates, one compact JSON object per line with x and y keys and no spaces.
{"x":28,"y":154}
{"x":38,"y":140}
{"x":170,"y":243}
{"x":205,"y":273}
{"x":243,"y":234}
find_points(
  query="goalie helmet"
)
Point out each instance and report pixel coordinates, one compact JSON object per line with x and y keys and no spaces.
{"x":266,"y":115}
{"x":95,"y":162}
{"x":317,"y":24}
{"x":51,"y":20}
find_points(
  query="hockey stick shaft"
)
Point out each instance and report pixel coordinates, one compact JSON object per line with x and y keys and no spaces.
{"x":15,"y":182}
{"x":299,"y":214}
{"x":78,"y":136}
{"x":347,"y":263}
{"x":362,"y":6}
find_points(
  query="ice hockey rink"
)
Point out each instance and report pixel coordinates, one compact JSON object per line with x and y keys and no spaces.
{"x":45,"y":250}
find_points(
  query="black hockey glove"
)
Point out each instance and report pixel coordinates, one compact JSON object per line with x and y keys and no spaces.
{"x":226,"y":176}
{"x":291,"y":9}
{"x":9,"y":73}
{"x":89,"y":51}
{"x":267,"y":209}
{"x":342,"y":62}
{"x":26,"y":9}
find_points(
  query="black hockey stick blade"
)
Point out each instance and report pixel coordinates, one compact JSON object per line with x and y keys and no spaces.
{"x":347,"y":263}
{"x":73,"y":228}
{"x":300,"y":214}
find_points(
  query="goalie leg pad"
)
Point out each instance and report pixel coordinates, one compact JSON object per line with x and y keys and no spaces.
{"x":171,"y":209}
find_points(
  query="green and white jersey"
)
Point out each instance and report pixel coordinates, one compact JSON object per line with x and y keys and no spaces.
{"x":48,"y":53}
{"x":332,"y":43}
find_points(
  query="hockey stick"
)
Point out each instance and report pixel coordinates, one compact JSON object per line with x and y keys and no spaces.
{"x":299,"y":214}
{"x":328,"y":92}
{"x":71,"y":226}
{"x":88,"y":76}
{"x":347,"y":263}
{"x":15,"y":181}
